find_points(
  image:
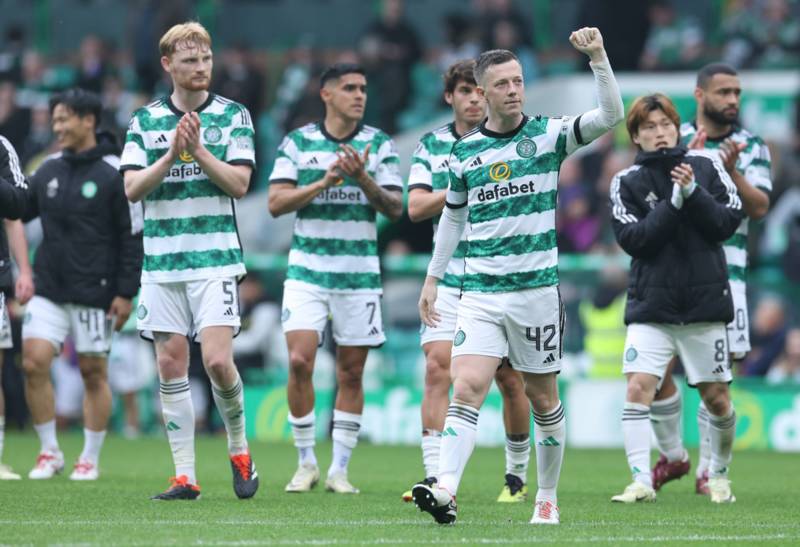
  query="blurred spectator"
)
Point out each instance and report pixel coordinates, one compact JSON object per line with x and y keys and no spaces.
{"x":576,"y":227}
{"x":505,"y":36}
{"x":787,"y":367}
{"x":625,"y":26}
{"x":15,"y":122}
{"x":389,"y":49}
{"x":603,"y":321}
{"x":491,"y":12}
{"x":118,"y":106}
{"x":11,"y":54}
{"x":761,"y":35}
{"x":239,"y":79}
{"x":40,"y":137}
{"x":461,"y":40}
{"x":768,"y":336}
{"x":155,"y":17}
{"x":92,"y":64}
{"x":251,"y":348}
{"x":674,"y":42}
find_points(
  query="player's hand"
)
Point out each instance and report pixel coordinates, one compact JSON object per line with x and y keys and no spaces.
{"x":729,"y":153}
{"x":119,"y":310}
{"x":682,"y":174}
{"x":190,"y":125}
{"x":353,"y":164}
{"x":178,"y":144}
{"x":588,"y":40}
{"x":333,"y":175}
{"x":699,"y":139}
{"x":427,"y":301}
{"x":24,"y":288}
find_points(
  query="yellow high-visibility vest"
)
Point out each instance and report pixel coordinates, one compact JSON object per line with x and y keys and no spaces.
{"x":604,"y":338}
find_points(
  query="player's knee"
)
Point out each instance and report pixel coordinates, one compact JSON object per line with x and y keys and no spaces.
{"x":218,"y":364}
{"x":34,"y":369}
{"x":510,"y":385}
{"x":94,"y":378}
{"x":349,"y":377}
{"x":717,"y":400}
{"x":437,"y":372}
{"x":301,"y":365}
{"x":542,"y":402}
{"x":638,"y":392}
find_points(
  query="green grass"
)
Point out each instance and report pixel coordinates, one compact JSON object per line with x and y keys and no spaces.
{"x":116,"y":509}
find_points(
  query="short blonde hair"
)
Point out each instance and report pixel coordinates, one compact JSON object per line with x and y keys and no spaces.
{"x":190,"y":32}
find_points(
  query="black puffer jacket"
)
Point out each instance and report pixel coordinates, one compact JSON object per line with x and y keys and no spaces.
{"x":678,"y":273}
{"x":92,"y":247}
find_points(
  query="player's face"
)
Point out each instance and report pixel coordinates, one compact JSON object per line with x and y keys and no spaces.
{"x":469,"y":106}
{"x":71,"y":130}
{"x":346,"y":96}
{"x":720,"y":99}
{"x":504,"y":88}
{"x":190,"y":66}
{"x":656,"y":131}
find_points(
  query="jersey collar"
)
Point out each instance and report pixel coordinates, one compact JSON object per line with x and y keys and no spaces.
{"x":734,"y":129}
{"x":175,"y":110}
{"x":346,"y":138}
{"x":507,"y":135}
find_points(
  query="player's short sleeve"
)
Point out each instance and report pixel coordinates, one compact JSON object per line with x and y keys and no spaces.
{"x":420,"y":176}
{"x":457,"y":189}
{"x":757,"y":172}
{"x":241,"y":147}
{"x":387,"y":172}
{"x":134,"y":153}
{"x":285,"y":167}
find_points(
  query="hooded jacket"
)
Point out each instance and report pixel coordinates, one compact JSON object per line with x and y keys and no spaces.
{"x":678,"y":272}
{"x":92,"y":246}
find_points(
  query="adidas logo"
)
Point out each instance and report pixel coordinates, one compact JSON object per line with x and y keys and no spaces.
{"x":449,"y":431}
{"x":550,"y":359}
{"x":742,"y":338}
{"x":228,"y":312}
{"x":162,"y":139}
{"x":549,"y":441}
{"x":374,"y":331}
{"x":313,"y":161}
{"x":476,"y":162}
{"x":172,"y":426}
{"x":445,"y":164}
{"x":719,"y":370}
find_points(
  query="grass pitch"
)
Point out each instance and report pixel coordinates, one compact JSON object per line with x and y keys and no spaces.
{"x":116,"y":509}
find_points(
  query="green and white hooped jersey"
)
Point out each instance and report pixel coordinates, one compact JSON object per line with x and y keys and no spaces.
{"x":335,"y":243}
{"x":189,"y":222}
{"x":509,"y":183}
{"x":754,"y":164}
{"x":430,"y":170}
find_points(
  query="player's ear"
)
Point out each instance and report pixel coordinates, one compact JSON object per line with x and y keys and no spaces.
{"x":635,"y":139}
{"x":448,"y":97}
{"x":698,"y":93}
{"x":165,"y":63}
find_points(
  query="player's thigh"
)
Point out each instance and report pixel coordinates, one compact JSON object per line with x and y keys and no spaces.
{"x":214,"y":303}
{"x":91,"y":330}
{"x":534,"y":322}
{"x":479,"y":328}
{"x":357,"y":319}
{"x":703,"y":349}
{"x":649,"y":348}
{"x":447,"y":307}
{"x":46,"y":320}
{"x":164,"y":308}
{"x":739,"y":328}
{"x":304,"y":308}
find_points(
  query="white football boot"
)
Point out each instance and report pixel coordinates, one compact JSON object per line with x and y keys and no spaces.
{"x":339,"y":484}
{"x":635,"y":492}
{"x":305,"y":478}
{"x":48,"y":464}
{"x":719,"y":488}
{"x":545,"y":512}
{"x":7,"y":474}
{"x":84,"y":470}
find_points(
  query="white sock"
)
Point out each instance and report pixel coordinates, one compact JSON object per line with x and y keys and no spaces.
{"x":518,"y":454}
{"x":431,"y":445}
{"x":345,"y":437}
{"x":230,"y":404}
{"x":550,"y":435}
{"x":722,"y":430}
{"x":178,"y":412}
{"x":303,"y":431}
{"x":665,"y":417}
{"x":47,"y":436}
{"x":705,"y":440}
{"x":636,"y":431}
{"x":458,"y":441}
{"x":92,"y":443}
{"x":2,"y":435}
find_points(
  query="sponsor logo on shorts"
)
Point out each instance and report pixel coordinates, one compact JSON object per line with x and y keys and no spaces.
{"x":141,"y":311}
{"x":719,"y":370}
{"x":631,"y":354}
{"x":459,"y":338}
{"x":526,"y":148}
{"x":550,"y":359}
{"x":285,"y":315}
{"x":228,"y":312}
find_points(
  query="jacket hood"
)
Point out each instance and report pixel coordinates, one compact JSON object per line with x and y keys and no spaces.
{"x":106,"y":144}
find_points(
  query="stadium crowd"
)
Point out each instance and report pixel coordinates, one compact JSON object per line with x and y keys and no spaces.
{"x":280,"y":89}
